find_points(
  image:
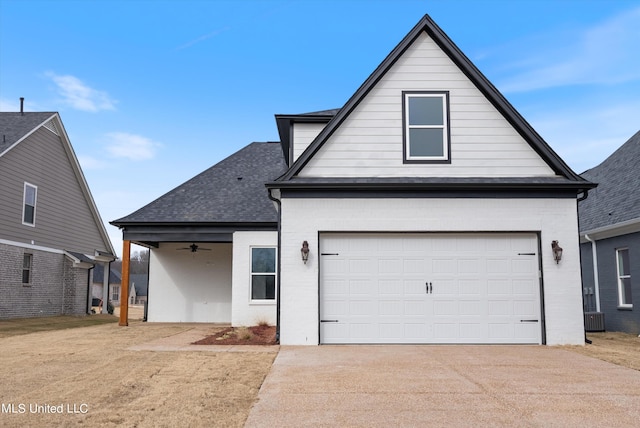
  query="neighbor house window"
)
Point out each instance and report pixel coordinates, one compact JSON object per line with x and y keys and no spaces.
{"x":426,"y":127}
{"x":29,"y":206}
{"x":27,"y":262}
{"x":263,"y":273}
{"x":115,"y":293}
{"x":624,"y":278}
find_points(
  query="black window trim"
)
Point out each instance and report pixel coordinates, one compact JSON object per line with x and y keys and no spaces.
{"x":405,"y":139}
{"x":252,"y":273}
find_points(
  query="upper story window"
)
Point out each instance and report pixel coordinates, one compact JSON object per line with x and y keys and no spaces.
{"x":263,"y":274}
{"x":426,"y":127}
{"x":29,"y":204}
{"x":624,"y":278}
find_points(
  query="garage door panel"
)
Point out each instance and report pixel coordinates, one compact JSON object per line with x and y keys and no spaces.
{"x":363,"y":265}
{"x":415,"y":308}
{"x":469,"y":287}
{"x":414,"y":287}
{"x":482,"y":288}
{"x":444,"y":265}
{"x":470,"y":307}
{"x":361,"y":287}
{"x":390,"y":286}
{"x":414,"y":266}
{"x":389,"y":266}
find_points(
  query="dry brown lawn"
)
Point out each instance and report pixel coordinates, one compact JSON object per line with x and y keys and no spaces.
{"x":617,"y":348}
{"x":89,"y":374}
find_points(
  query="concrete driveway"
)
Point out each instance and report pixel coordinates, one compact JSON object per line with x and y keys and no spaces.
{"x":452,"y":386}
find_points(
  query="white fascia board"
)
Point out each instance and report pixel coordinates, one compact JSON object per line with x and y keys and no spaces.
{"x":77,"y":262}
{"x":613,"y":230}
{"x":31,"y":246}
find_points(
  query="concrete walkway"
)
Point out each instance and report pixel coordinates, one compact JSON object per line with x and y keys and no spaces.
{"x":445,"y":386}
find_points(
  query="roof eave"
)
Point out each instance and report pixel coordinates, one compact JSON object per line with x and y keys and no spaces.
{"x":610,"y":231}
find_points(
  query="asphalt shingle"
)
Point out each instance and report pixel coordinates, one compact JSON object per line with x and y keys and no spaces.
{"x":14,"y":126}
{"x":232,"y":191}
{"x":617,"y":197}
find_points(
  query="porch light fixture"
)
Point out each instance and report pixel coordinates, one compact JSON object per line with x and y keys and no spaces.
{"x":305,"y":251}
{"x":557,"y":251}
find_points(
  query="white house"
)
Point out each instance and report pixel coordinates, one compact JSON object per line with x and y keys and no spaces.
{"x":424,"y":209}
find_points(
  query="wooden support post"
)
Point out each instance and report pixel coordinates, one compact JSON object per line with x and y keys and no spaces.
{"x":124,"y":287}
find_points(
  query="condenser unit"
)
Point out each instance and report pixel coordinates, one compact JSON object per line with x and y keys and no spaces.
{"x":594,"y":321}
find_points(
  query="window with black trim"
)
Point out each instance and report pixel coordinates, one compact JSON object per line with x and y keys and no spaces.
{"x":624,"y":278}
{"x":27,"y":263}
{"x":263,"y":273}
{"x":29,"y":204}
{"x":426,"y":127}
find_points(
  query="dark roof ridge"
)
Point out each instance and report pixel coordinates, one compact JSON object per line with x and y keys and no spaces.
{"x":469,"y":69}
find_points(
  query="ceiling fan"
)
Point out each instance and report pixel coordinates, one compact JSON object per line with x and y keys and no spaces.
{"x":194,"y":248}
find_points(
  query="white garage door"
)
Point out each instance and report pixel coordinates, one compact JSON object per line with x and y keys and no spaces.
{"x":429,"y":288}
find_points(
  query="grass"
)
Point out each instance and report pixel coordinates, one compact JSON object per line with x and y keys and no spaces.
{"x":19,"y":326}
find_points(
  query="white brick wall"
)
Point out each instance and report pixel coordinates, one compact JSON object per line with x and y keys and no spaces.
{"x":554,"y":219}
{"x":245,"y":313}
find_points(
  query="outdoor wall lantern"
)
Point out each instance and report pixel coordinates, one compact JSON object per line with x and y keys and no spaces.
{"x":557,"y":251}
{"x":305,"y":251}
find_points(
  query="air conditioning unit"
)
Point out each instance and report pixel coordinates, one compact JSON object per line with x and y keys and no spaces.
{"x":593,"y":321}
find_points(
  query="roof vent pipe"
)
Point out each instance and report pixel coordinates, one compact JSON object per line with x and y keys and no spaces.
{"x":22,"y":106}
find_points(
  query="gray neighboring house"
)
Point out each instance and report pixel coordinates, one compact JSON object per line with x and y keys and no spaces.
{"x":610,"y":242}
{"x":51,"y":233}
{"x":139,"y":283}
{"x":97,"y":287}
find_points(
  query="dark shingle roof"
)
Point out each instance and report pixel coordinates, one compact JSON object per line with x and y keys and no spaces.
{"x":140,"y":281}
{"x":617,"y":197}
{"x":98,"y":275}
{"x":14,"y":126}
{"x":231,"y":191}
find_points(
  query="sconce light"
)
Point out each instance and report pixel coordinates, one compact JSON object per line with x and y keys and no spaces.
{"x":305,"y":251}
{"x":557,"y":251}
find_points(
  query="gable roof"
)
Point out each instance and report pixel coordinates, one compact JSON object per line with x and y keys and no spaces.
{"x":617,"y":198}
{"x":98,"y":275}
{"x":139,"y":282}
{"x":285,"y":121}
{"x":15,"y":127}
{"x":427,"y":25}
{"x":232,"y":191}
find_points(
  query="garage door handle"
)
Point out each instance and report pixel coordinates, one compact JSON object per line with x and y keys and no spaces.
{"x":528,"y":320}
{"x":329,"y":321}
{"x":429,"y":287}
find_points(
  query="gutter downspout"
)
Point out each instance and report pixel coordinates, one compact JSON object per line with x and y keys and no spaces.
{"x":89,"y":294}
{"x":584,"y":322}
{"x":596,"y":282}
{"x":279,"y":208}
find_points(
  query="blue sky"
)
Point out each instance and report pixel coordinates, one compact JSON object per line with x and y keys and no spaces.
{"x":153,"y":92}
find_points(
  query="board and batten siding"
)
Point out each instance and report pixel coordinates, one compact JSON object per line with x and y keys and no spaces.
{"x":63,"y":218}
{"x":303,"y":135}
{"x":369,"y":142}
